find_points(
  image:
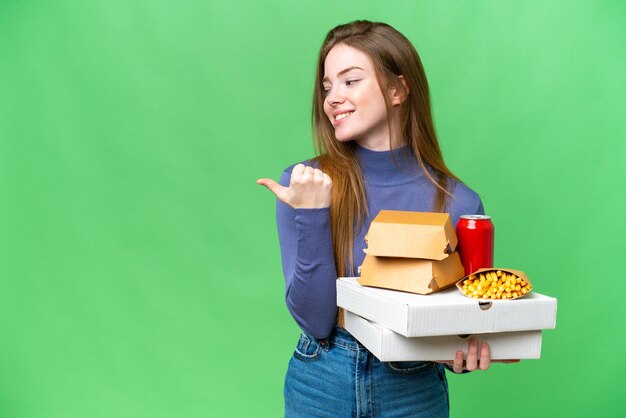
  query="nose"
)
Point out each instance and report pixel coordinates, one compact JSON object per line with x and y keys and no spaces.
{"x":333,"y":97}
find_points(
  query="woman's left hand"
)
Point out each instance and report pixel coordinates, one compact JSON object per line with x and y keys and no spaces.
{"x":478,"y":357}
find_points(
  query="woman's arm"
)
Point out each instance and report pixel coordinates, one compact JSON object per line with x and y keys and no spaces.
{"x":303,"y":219}
{"x":308,"y":267}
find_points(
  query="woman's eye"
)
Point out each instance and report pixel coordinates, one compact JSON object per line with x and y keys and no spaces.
{"x":351,"y":82}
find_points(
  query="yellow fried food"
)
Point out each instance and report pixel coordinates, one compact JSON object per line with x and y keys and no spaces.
{"x":495,"y":284}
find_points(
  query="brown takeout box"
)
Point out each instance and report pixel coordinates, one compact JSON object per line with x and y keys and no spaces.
{"x":411,"y":274}
{"x":395,"y":233}
{"x":518,"y":273}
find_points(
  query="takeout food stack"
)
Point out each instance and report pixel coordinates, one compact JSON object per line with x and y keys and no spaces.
{"x":403,"y":307}
{"x":411,"y":251}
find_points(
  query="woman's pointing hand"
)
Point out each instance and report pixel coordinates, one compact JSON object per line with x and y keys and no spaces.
{"x":309,"y":188}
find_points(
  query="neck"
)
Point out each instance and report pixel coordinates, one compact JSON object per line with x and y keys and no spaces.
{"x":385,"y":168}
{"x":383,"y":144}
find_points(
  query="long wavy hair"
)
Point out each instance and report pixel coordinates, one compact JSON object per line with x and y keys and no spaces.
{"x":393,"y":55}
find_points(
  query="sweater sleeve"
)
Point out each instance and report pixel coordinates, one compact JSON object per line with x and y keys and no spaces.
{"x":464,"y":202}
{"x":308,"y":265}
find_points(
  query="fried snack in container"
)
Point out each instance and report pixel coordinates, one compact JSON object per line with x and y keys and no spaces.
{"x":495,"y":283}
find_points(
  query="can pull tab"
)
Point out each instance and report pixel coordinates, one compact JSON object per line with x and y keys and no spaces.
{"x":484,"y":305}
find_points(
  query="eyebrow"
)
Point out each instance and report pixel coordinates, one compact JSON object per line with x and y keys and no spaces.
{"x":342,"y":72}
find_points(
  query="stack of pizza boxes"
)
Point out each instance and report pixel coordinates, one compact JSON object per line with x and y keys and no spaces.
{"x":404,"y":305}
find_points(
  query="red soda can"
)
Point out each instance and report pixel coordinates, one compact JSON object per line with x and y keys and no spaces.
{"x":476,"y":236}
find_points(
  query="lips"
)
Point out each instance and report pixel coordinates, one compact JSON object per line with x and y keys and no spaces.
{"x":340,"y":117}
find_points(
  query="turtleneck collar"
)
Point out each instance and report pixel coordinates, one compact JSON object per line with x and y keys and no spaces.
{"x":388,"y":168}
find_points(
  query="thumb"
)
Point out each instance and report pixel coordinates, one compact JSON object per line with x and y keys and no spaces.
{"x":280,"y":191}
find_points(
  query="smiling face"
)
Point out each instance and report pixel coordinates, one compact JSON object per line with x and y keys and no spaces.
{"x":354,"y":102}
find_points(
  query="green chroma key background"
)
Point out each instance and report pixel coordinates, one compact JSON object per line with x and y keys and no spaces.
{"x":139,"y":264}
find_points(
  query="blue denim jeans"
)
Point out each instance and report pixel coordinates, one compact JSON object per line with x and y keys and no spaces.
{"x":338,"y":377}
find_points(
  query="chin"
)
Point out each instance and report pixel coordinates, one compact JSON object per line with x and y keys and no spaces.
{"x":344,"y":137}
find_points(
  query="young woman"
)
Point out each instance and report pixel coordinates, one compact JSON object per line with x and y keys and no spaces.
{"x":377,"y":149}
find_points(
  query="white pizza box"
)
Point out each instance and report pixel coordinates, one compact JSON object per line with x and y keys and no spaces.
{"x":387,"y":345}
{"x":447,"y":312}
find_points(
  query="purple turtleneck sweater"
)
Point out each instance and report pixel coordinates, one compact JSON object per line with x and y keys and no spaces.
{"x":305,"y":239}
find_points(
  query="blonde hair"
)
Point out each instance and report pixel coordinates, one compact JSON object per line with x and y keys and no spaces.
{"x":393,"y":55}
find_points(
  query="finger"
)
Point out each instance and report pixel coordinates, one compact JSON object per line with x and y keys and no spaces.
{"x":302,"y":176}
{"x":326,"y":180}
{"x":472,"y":355}
{"x":485,"y":356}
{"x":296,"y":174}
{"x":308,"y":172}
{"x":297,"y":169}
{"x":281,"y":192}
{"x":457,"y":366}
{"x":318,"y":175}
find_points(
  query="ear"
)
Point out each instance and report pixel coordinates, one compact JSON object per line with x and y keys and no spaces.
{"x":399,"y":92}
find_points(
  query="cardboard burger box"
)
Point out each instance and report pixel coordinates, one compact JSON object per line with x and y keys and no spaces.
{"x":445,"y":313}
{"x":412,"y":252}
{"x":395,"y":233}
{"x":411,"y":274}
{"x":387,"y":345}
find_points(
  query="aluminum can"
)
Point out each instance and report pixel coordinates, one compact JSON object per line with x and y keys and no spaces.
{"x":476,"y":238}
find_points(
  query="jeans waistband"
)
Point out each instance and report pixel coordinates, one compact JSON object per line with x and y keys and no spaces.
{"x":342,"y":338}
{"x":338,"y":337}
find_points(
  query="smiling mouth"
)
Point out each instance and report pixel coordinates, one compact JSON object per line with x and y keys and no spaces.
{"x":342,"y":116}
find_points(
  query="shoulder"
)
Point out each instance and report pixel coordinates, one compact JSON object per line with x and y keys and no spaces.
{"x":463,"y":195}
{"x":286,"y":175}
{"x":464,"y":201}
